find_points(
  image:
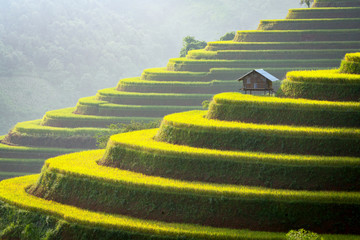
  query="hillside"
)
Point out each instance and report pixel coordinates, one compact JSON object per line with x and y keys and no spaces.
{"x":59,"y":51}
{"x":185,"y":82}
{"x":251,"y":167}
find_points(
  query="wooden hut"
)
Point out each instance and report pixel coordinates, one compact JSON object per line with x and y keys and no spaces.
{"x":258,"y":80}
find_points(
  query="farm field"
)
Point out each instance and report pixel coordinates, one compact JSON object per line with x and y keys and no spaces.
{"x":249,"y":167}
{"x":309,"y":38}
{"x":208,"y":174}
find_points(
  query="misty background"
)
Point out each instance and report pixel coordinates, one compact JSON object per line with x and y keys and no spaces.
{"x":54,"y":52}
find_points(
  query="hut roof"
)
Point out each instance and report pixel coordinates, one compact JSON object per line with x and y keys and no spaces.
{"x":262,"y":72}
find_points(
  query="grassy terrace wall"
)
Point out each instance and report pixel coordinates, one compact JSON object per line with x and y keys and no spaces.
{"x":91,"y":106}
{"x":77,"y":223}
{"x":322,"y":85}
{"x":214,"y":73}
{"x":139,"y":152}
{"x":232,"y":206}
{"x":297,"y":35}
{"x":305,"y":24}
{"x":259,"y":163}
{"x":137,"y":85}
{"x":231,"y":45}
{"x":66,"y":118}
{"x":111,"y":95}
{"x":162,"y":74}
{"x":191,"y":128}
{"x":183,"y":64}
{"x":269,"y":54}
{"x":351,"y":63}
{"x":312,"y":13}
{"x":282,"y":111}
{"x":334,"y":3}
{"x":31,"y":133}
{"x":23,"y":152}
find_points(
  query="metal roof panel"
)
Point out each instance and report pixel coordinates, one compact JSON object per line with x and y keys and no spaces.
{"x":263,"y":73}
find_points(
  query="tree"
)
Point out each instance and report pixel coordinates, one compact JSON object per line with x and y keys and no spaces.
{"x":307,"y":2}
{"x":228,"y":36}
{"x":190,"y":43}
{"x":302,"y":234}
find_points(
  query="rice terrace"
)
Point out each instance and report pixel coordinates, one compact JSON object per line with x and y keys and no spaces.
{"x":181,"y":152}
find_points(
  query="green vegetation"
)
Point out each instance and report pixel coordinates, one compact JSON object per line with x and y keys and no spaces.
{"x":78,"y":221}
{"x":161,"y":74}
{"x":312,"y":13}
{"x":35,"y":128}
{"x":351,"y":64}
{"x":230,"y":45}
{"x":250,"y":162}
{"x":183,"y":64}
{"x":111,"y":95}
{"x":297,"y":35}
{"x":307,"y":24}
{"x":137,"y":85}
{"x":332,"y":76}
{"x":269,"y":54}
{"x":103,"y":138}
{"x":190,"y":43}
{"x":66,"y":118}
{"x":283,"y":111}
{"x":32,"y":133}
{"x":228,"y":202}
{"x":24,"y":152}
{"x":228,"y":36}
{"x":191,"y":128}
{"x":139,"y":152}
{"x":322,"y":84}
{"x":302,"y":234}
{"x":106,"y":40}
{"x":307,"y":2}
{"x":91,"y":106}
{"x":336,"y":3}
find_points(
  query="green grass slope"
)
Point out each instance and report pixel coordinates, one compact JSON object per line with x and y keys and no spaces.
{"x":186,"y":82}
{"x":244,"y":169}
{"x":335,"y":3}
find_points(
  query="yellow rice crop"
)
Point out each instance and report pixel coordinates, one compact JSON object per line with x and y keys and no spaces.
{"x":233,"y":98}
{"x":143,"y":140}
{"x":13,"y":192}
{"x":196,"y":119}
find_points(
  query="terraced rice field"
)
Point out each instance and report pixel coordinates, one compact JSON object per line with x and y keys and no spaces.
{"x":246,"y":163}
{"x":186,"y":82}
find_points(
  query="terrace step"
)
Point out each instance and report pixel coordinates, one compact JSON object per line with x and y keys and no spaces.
{"x":312,"y":13}
{"x":321,"y":85}
{"x":297,"y":35}
{"x":137,"y":85}
{"x":91,"y":106}
{"x":232,"y":45}
{"x":139,"y":152}
{"x":307,"y":24}
{"x":14,"y":167}
{"x":183,"y":64}
{"x":269,"y":54}
{"x":114,"y":226}
{"x":284,"y":111}
{"x":161,"y":74}
{"x":7,"y":151}
{"x":193,"y":129}
{"x":68,"y":119}
{"x":233,"y":206}
{"x":335,"y":3}
{"x":111,"y":95}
